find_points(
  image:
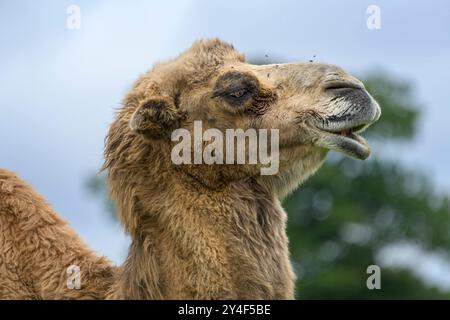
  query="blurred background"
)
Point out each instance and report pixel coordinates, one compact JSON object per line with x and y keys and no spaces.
{"x":59,"y":87}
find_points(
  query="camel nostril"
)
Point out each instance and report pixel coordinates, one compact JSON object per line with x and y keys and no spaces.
{"x":339,"y":84}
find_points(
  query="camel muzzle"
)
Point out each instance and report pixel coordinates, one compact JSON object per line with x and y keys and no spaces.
{"x":353,"y":110}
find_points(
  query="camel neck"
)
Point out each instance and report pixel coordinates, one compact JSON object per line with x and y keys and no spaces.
{"x":207,"y":246}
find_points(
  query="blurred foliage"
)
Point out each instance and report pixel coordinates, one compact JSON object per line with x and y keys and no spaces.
{"x":342,"y":216}
{"x":346,"y":213}
{"x":400,"y":112}
{"x":96,"y":185}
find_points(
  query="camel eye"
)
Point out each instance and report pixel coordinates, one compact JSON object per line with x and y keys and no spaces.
{"x":236,"y":88}
{"x":238,"y":94}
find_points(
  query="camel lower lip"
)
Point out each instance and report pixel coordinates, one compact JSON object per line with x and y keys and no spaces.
{"x":351,"y":145}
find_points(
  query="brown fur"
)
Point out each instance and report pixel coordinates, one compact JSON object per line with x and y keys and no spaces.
{"x":198,"y":231}
{"x":37,"y":247}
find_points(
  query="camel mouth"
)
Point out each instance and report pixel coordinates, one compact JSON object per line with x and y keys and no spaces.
{"x":344,"y":136}
{"x":346,"y":141}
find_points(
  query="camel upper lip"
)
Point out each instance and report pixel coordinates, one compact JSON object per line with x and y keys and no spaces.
{"x":341,"y":84}
{"x":358,"y":124}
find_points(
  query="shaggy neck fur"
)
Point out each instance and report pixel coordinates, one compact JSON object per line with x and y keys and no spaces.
{"x":190,"y":241}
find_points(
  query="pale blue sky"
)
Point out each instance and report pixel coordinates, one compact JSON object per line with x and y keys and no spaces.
{"x":58,"y":88}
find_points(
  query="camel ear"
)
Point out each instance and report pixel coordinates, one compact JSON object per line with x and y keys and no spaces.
{"x":155,"y":117}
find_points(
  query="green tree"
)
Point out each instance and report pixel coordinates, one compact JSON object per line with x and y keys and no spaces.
{"x":342,"y":217}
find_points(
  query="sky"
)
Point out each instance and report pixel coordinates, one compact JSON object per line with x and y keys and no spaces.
{"x":59,"y":87}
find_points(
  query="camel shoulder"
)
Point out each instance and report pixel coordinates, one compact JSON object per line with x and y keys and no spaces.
{"x":19,"y":200}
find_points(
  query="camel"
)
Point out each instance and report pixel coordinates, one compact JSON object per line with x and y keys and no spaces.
{"x":198,"y":231}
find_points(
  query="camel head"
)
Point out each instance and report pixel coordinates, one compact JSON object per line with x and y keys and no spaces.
{"x":313,"y":108}
{"x":204,"y":223}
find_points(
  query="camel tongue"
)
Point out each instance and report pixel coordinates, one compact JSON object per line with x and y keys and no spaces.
{"x":345,"y":133}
